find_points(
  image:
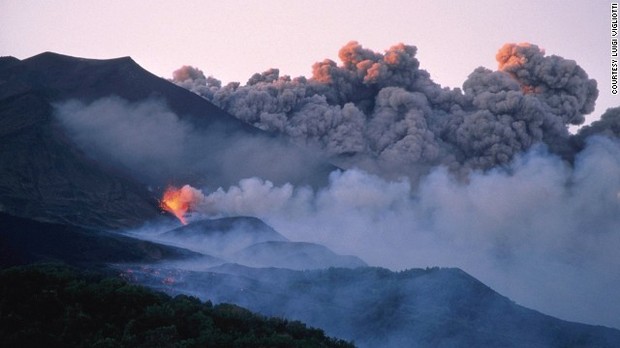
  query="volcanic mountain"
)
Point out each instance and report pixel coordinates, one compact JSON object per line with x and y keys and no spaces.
{"x":44,"y":175}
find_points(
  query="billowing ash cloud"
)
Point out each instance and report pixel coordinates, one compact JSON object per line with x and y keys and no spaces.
{"x":608,"y":125}
{"x":380,"y":110}
{"x":561,"y":83}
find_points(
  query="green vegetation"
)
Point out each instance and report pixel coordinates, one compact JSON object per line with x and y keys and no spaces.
{"x":55,"y":306}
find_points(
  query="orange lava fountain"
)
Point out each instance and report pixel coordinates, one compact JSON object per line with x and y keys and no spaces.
{"x":175,"y":202}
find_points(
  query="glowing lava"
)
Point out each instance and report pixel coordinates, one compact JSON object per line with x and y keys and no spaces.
{"x":176,"y":202}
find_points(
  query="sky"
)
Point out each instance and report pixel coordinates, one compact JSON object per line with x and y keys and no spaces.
{"x":231,"y":40}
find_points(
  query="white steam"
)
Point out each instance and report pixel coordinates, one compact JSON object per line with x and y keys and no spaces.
{"x":539,"y":231}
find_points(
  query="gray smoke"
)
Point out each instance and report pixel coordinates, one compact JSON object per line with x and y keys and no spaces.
{"x":383,"y":113}
{"x":158,"y":147}
{"x":608,"y":125}
{"x":144,"y":135}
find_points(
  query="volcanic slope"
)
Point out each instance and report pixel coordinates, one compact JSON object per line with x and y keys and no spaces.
{"x":45,"y":175}
{"x":376,"y":307}
{"x":24,"y":241}
{"x":250,"y":241}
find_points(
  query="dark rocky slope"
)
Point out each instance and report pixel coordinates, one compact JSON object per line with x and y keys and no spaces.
{"x":45,"y":176}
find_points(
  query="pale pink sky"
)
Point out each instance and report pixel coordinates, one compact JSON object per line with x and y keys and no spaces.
{"x":231,"y":40}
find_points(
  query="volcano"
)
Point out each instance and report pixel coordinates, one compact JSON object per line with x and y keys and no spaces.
{"x":62,"y":202}
{"x":44,"y":175}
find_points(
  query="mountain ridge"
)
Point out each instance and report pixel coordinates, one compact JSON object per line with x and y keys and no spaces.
{"x":39,"y":155}
{"x":439,"y":307}
{"x":24,"y":241}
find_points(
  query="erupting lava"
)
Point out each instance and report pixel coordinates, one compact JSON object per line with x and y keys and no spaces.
{"x":174,"y":201}
{"x":180,"y":201}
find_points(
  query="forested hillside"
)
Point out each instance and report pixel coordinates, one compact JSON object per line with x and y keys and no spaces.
{"x":55,"y":306}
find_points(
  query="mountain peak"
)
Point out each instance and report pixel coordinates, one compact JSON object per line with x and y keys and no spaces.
{"x":33,"y":142}
{"x":6,"y":61}
{"x":61,"y":77}
{"x":63,"y":58}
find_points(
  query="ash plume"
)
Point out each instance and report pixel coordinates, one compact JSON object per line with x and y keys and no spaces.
{"x":383,"y":113}
{"x":608,"y":126}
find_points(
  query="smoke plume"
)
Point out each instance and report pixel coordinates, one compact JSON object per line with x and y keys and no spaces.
{"x":158,"y":147}
{"x":383,"y":113}
{"x":536,"y":216}
{"x":539,"y":231}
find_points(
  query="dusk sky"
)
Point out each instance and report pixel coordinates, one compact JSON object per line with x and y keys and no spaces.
{"x":231,"y":40}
